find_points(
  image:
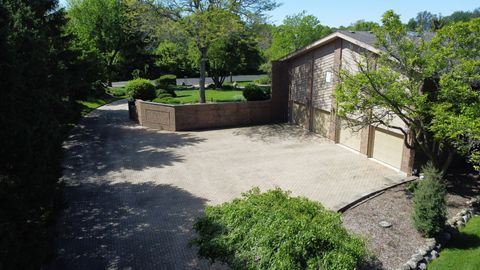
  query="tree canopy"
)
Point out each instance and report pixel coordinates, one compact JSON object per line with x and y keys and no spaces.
{"x":100,"y":25}
{"x":295,"y":32}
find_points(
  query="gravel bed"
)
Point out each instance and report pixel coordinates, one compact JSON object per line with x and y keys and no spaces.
{"x":395,"y":245}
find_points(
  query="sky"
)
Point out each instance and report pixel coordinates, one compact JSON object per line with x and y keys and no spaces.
{"x":335,"y":13}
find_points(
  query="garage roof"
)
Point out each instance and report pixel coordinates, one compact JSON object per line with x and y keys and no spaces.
{"x":364,"y":39}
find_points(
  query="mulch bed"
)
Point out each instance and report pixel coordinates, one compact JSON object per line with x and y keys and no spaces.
{"x":395,"y":245}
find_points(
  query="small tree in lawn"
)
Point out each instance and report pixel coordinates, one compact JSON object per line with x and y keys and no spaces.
{"x":206,"y":21}
{"x":429,"y":202}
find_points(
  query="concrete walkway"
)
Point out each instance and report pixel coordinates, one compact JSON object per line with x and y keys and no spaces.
{"x":133,"y":193}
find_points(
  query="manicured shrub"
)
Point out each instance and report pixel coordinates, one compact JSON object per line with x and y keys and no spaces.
{"x":263,"y":80}
{"x":140,"y":89}
{"x":166,"y":100}
{"x":168,"y":91}
{"x":253,"y":92}
{"x":166,"y":80}
{"x":429,"y":202}
{"x":272,"y":230}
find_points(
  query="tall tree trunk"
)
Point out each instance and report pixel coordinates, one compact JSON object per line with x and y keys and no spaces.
{"x":203,"y":56}
{"x":109,"y":67}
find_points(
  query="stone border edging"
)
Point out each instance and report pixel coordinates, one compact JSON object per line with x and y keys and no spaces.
{"x":374,"y":193}
{"x":431,"y":251}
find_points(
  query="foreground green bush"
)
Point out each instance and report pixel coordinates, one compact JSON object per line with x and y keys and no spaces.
{"x":140,"y":89}
{"x":274,"y":231}
{"x":166,"y":80}
{"x":429,"y":202}
{"x":253,"y":92}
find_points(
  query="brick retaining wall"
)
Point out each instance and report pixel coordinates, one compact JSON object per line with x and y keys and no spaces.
{"x":201,"y":116}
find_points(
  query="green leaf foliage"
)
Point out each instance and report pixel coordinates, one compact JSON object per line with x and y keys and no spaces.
{"x":165,"y":81}
{"x":272,"y":230}
{"x":253,"y":92}
{"x":100,"y":25}
{"x":429,"y":202}
{"x":41,"y":75}
{"x":428,"y":83}
{"x":295,"y":32}
{"x":140,"y":89}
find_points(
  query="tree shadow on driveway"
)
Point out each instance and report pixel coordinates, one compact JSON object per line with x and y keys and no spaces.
{"x":274,"y":133}
{"x":128,"y":226}
{"x":110,"y":223}
{"x":107,"y":141}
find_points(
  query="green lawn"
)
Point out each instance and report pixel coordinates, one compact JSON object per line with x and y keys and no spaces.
{"x":91,"y":103}
{"x":239,"y":83}
{"x":191,"y":96}
{"x":463,"y":251}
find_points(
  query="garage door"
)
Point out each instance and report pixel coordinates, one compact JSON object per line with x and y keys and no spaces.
{"x":349,"y":137}
{"x":388,"y":147}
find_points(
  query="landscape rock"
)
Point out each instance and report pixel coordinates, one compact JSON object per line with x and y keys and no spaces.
{"x":404,"y":267}
{"x":422,"y":266}
{"x":434,"y":254}
{"x":422,"y":252}
{"x":412,"y":264}
{"x":431,"y":242}
{"x":417,"y":257}
{"x":385,"y":224}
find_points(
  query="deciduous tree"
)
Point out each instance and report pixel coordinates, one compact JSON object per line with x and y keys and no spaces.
{"x":431,"y":85}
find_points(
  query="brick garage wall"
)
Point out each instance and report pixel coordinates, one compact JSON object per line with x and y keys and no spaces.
{"x":201,"y":116}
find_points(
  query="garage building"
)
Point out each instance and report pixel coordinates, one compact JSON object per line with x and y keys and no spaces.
{"x":309,"y":77}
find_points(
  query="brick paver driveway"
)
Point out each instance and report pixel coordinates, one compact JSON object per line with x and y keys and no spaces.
{"x":133,"y":193}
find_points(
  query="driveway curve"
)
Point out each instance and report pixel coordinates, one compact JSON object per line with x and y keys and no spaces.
{"x":133,"y":193}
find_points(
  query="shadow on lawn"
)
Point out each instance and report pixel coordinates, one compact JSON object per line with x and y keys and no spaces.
{"x":464,"y":241}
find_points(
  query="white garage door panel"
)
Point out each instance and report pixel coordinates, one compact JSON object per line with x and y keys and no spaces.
{"x":350,"y":138}
{"x":388,"y":148}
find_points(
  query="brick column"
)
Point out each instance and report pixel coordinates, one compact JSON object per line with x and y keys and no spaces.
{"x":334,"y":120}
{"x":280,"y":91}
{"x":366,"y":140}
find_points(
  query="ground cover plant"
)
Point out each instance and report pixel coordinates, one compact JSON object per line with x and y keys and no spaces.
{"x":463,"y":251}
{"x":272,"y":230}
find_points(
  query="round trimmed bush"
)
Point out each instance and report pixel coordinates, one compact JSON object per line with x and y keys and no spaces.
{"x":272,"y":230}
{"x":140,"y":89}
{"x":429,"y":202}
{"x":166,"y":80}
{"x":168,"y":91}
{"x":253,"y":92}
